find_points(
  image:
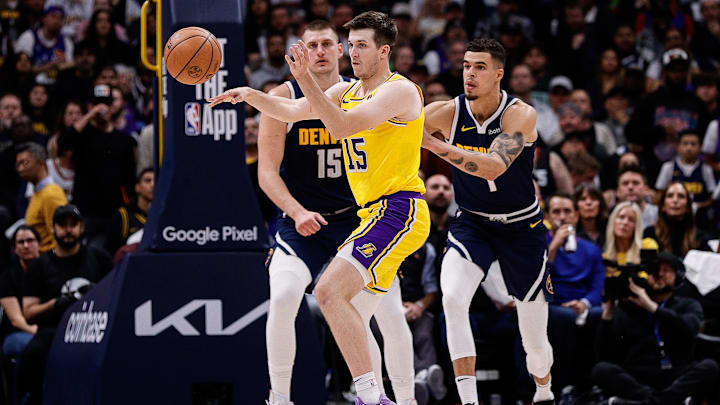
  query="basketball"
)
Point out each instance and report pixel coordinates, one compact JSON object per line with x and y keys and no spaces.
{"x":192,"y":55}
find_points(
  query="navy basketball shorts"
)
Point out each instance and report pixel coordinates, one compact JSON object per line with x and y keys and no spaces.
{"x":520,"y":248}
{"x":317,"y":249}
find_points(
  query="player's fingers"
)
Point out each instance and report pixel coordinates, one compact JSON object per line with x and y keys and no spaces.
{"x":314,"y":225}
{"x":320,"y":219}
{"x":288,"y":60}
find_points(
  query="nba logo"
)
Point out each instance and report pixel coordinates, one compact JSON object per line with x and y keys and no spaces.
{"x":192,"y":119}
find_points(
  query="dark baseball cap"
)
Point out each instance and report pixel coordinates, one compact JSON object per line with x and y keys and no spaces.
{"x":102,"y":94}
{"x":66,"y":211}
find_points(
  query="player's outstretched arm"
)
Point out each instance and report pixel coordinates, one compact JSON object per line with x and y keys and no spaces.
{"x":281,"y":108}
{"x":506,"y":147}
{"x":394,"y":100}
{"x":271,"y":150}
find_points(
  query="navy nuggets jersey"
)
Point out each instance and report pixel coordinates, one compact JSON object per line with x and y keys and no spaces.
{"x":513,"y":190}
{"x":313,"y":167}
{"x":694,"y":181}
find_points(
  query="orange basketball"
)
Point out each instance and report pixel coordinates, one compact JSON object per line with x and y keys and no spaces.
{"x":192,"y":55}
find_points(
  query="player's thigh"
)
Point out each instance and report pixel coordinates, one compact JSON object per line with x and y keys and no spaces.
{"x":341,"y":279}
{"x":387,"y":234}
{"x":523,"y":261}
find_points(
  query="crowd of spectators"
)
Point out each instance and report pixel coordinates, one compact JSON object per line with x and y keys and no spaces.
{"x":627,"y":164}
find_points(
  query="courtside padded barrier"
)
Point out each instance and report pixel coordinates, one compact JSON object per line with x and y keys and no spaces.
{"x":182,"y":322}
{"x":176,"y":329}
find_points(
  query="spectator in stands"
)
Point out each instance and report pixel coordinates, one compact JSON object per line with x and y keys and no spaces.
{"x":256,"y":23}
{"x":76,"y":11}
{"x":401,"y":13}
{"x":439,"y":196}
{"x":40,"y":111}
{"x":578,"y":275}
{"x":432,"y":19}
{"x":592,"y":213}
{"x":435,"y":91}
{"x":687,"y":168}
{"x":575,"y":46}
{"x":623,"y":237}
{"x":403,"y":58}
{"x":342,"y":14}
{"x":60,"y":162}
{"x":673,"y":38}
{"x":281,"y":22}
{"x":507,"y":13}
{"x":77,"y":82}
{"x":711,"y":146}
{"x":49,"y":50}
{"x":559,"y":89}
{"x":705,"y":43}
{"x":645,"y":344}
{"x":536,"y":59}
{"x":632,"y":187}
{"x":436,"y":57}
{"x":10,"y":110}
{"x":420,"y":291}
{"x":584,"y":169}
{"x":706,"y":88}
{"x":104,"y":160}
{"x":578,"y":132}
{"x":13,"y":22}
{"x":103,"y":42}
{"x":18,"y":334}
{"x":107,"y":75}
{"x":52,"y":284}
{"x":550,"y":172}
{"x":452,"y":78}
{"x":47,"y":195}
{"x":662,"y":115}
{"x":625,"y":43}
{"x":603,"y":133}
{"x":675,"y":229}
{"x":131,"y":218}
{"x":609,"y":75}
{"x":522,"y":83}
{"x":274,"y":68}
{"x":617,"y":107}
{"x":123,"y":115}
{"x":17,"y":73}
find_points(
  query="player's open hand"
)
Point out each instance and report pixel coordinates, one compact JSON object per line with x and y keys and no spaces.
{"x":299,"y":61}
{"x":309,"y":222}
{"x":236,"y":95}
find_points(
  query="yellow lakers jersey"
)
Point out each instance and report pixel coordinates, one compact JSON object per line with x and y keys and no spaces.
{"x":382,"y":160}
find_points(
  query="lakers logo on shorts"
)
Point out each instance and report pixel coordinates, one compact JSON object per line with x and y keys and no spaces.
{"x":548,"y":285}
{"x":366,"y":250}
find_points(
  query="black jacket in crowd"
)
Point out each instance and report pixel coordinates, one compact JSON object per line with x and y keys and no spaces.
{"x":629,"y":338}
{"x":104,"y":169}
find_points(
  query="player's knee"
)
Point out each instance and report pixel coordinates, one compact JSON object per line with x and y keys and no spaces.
{"x":285,"y":301}
{"x":455,"y":304}
{"x":325,"y":295}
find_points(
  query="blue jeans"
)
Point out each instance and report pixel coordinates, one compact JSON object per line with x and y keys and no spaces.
{"x":14,"y":344}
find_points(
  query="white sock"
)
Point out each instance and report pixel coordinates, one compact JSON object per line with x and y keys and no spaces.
{"x":543,"y":392}
{"x":367,"y":388}
{"x":467,"y":388}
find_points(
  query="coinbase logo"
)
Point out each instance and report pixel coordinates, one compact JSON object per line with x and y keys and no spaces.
{"x":192,"y":119}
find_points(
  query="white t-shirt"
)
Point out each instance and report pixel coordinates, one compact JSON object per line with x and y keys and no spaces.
{"x":76,"y":11}
{"x":61,"y":176}
{"x":710,"y":142}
